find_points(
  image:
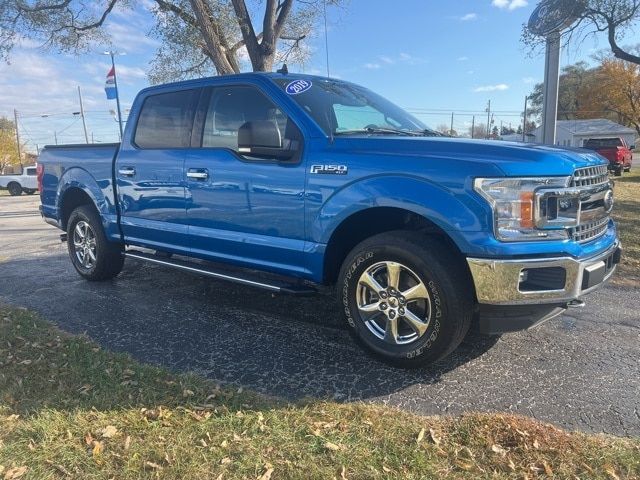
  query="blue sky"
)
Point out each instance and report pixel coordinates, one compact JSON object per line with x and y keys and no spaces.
{"x":429,"y":56}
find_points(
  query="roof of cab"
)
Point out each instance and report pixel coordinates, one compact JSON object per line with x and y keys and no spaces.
{"x":237,"y":77}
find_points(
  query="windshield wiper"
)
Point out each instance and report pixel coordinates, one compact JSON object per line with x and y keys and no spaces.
{"x":380,"y":130}
{"x":430,"y":133}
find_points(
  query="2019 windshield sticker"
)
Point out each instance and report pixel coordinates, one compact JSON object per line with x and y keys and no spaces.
{"x":298,"y":86}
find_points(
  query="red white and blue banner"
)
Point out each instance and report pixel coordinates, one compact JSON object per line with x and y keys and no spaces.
{"x":110,"y":85}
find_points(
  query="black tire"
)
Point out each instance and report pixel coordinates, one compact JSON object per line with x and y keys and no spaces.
{"x":109,"y":258}
{"x":618,"y":171}
{"x":29,"y":191}
{"x":445,"y":279}
{"x":15,"y":189}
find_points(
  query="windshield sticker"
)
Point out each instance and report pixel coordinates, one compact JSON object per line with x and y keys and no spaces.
{"x":298,"y":86}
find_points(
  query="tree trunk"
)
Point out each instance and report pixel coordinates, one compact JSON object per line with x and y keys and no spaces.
{"x":213,"y":43}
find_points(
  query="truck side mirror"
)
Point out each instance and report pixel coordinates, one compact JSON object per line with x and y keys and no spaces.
{"x":263,"y":139}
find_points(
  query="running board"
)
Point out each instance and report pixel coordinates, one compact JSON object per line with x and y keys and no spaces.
{"x":200,"y":269}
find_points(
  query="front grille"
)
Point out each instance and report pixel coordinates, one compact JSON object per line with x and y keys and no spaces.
{"x":590,"y":176}
{"x":591,"y":230}
{"x":589,"y":179}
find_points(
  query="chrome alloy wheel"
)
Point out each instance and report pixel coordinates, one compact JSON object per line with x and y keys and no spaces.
{"x":394,"y":303}
{"x":84,"y":243}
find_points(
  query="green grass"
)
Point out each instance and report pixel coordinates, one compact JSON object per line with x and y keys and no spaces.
{"x":627,"y":215}
{"x":69,"y":409}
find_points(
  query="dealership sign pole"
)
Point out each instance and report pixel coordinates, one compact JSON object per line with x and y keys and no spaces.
{"x":548,"y":20}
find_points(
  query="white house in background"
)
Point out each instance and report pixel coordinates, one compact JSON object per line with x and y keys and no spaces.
{"x":573,"y":133}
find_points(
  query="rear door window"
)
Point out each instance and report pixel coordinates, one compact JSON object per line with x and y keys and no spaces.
{"x":166,"y":120}
{"x":31,"y":172}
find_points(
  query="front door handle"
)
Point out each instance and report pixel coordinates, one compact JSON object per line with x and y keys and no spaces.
{"x":127,"y":171}
{"x":198,"y":173}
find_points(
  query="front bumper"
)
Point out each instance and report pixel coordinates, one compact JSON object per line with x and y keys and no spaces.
{"x":504,"y":282}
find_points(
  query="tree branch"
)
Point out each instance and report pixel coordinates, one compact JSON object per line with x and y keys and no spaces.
{"x":170,"y":7}
{"x":248,"y":34}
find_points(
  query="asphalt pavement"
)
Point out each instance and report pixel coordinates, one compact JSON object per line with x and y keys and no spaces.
{"x":580,"y":371}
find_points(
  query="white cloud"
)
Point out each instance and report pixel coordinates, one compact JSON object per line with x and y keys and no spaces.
{"x":463,"y":59}
{"x":372,"y":66}
{"x":500,"y":87}
{"x":509,"y":4}
{"x":387,"y":60}
{"x":469,"y":17}
{"x":405,"y":56}
{"x":529,"y":80}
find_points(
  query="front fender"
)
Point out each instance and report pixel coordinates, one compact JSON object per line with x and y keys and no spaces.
{"x":452,"y":209}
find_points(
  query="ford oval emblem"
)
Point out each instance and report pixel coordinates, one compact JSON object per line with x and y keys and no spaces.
{"x":298,"y":86}
{"x":608,"y":201}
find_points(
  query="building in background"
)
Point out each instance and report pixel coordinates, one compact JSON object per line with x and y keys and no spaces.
{"x":573,"y":133}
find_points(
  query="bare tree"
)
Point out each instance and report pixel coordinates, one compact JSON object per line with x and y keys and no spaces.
{"x":196,"y":35}
{"x":612,"y":17}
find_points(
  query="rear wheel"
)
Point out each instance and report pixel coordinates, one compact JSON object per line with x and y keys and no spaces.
{"x":406,"y":298}
{"x":30,"y":191}
{"x":92,"y":255}
{"x":15,"y":189}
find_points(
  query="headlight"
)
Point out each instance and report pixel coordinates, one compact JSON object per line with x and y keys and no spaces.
{"x":516,"y":207}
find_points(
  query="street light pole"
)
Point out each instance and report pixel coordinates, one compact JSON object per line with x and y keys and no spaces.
{"x":112,"y":54}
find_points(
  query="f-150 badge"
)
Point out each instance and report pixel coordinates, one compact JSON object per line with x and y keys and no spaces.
{"x":329,"y":169}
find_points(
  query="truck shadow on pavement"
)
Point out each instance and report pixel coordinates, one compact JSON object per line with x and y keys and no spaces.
{"x":286,"y":347}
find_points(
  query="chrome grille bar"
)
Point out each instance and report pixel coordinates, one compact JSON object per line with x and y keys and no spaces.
{"x":591,"y":228}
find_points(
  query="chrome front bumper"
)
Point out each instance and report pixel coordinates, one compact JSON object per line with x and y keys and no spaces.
{"x":498,"y":282}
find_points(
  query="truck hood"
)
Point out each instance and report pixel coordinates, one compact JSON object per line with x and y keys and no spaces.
{"x":512,"y":158}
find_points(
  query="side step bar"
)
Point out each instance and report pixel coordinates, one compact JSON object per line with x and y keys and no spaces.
{"x":201,"y":269}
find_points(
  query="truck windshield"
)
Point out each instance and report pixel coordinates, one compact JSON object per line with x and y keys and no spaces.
{"x":342,"y":108}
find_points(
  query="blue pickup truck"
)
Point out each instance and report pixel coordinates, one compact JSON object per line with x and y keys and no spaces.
{"x":301,"y":184}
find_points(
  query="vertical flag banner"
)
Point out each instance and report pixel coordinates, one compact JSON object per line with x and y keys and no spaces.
{"x":110,"y":84}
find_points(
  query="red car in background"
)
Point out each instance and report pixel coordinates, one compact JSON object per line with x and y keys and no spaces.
{"x":616,"y":150}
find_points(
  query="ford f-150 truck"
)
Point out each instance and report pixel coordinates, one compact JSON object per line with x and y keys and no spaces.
{"x":17,"y":184}
{"x":616,"y":150}
{"x":298,"y":184}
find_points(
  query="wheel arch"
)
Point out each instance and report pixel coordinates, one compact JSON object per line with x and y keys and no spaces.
{"x":366,"y":223}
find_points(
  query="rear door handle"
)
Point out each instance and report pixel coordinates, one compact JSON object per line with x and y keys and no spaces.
{"x":127,"y":171}
{"x":198,"y":173}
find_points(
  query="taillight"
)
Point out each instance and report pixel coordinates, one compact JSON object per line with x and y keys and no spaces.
{"x":39,"y":175}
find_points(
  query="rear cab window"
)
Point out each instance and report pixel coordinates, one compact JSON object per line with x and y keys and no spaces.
{"x":31,"y":172}
{"x":596,"y":143}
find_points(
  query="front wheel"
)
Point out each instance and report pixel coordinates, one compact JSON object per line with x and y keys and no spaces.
{"x":30,"y":191}
{"x":15,"y":189}
{"x":406,"y":297}
{"x":92,"y":255}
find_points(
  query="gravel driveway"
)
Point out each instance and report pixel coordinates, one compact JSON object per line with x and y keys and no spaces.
{"x":580,"y":371}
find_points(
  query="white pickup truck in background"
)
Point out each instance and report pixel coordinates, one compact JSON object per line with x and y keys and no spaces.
{"x":16,"y":184}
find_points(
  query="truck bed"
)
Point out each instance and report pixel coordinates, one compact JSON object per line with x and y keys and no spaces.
{"x":90,"y":165}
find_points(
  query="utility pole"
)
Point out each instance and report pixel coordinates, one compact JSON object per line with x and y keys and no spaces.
{"x":37,"y":149}
{"x":15,"y":119}
{"x":55,"y":137}
{"x":488,"y":118}
{"x":451,"y":129}
{"x":524,"y":120}
{"x":84,"y":123}
{"x":473,"y":127}
{"x":92,"y":140}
